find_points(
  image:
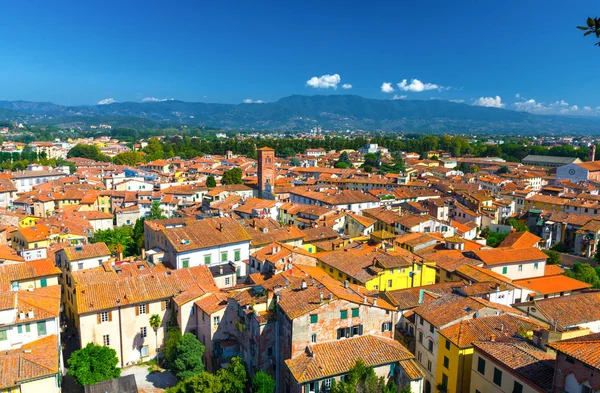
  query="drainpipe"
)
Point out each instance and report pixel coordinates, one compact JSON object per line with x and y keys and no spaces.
{"x":121,"y":335}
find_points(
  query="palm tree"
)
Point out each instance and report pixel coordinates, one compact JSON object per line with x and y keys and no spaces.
{"x":155,"y":322}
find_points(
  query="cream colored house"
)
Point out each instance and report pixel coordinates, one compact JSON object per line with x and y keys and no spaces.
{"x":112,"y":305}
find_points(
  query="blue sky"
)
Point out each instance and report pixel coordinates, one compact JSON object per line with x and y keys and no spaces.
{"x":480,"y":52}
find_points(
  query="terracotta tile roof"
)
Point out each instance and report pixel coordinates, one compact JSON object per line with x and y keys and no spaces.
{"x":212,"y":302}
{"x":9,"y":254}
{"x":546,"y":285}
{"x":568,"y":311}
{"x":337,"y":357}
{"x":28,"y":270}
{"x":295,"y":301}
{"x":405,"y":299}
{"x":502,"y":256}
{"x":206,"y":233}
{"x":450,"y":308}
{"x":520,"y":240}
{"x":33,"y":360}
{"x":319,"y":233}
{"x":103,"y":287}
{"x":87,"y":251}
{"x":529,"y":362}
{"x":586,"y":349}
{"x":464,"y":333}
{"x":35,"y":233}
{"x":44,"y":302}
{"x":363,"y":265}
{"x":553,"y":270}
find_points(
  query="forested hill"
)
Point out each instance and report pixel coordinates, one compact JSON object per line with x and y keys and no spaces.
{"x":333,"y":112}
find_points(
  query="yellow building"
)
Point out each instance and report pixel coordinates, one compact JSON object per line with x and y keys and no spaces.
{"x":104,"y":202}
{"x":31,"y":237}
{"x":28,"y":221}
{"x":545,"y":202}
{"x":379,"y":270}
{"x":455,"y":348}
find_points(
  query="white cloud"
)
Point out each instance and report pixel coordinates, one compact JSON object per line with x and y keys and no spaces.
{"x":106,"y":101}
{"x":492,"y":102}
{"x":529,"y":106}
{"x":397,"y":97}
{"x":517,"y":95}
{"x":416,"y":86}
{"x":154,"y":99}
{"x":251,"y":101}
{"x":346,"y":86}
{"x":324,"y":81}
{"x":561,"y":107}
{"x":457,"y":101}
{"x":386,"y":87}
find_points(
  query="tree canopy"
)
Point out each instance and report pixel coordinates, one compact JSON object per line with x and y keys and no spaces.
{"x":94,"y":363}
{"x":592,"y":27}
{"x":91,"y":152}
{"x":118,"y":240}
{"x":234,"y":376}
{"x":586,"y":273}
{"x":187,"y":358}
{"x":361,"y":378}
{"x":232,"y":176}
{"x":263,"y":383}
{"x":211,"y":182}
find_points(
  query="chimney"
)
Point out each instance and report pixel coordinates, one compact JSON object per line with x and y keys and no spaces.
{"x":321,"y":297}
{"x":330,"y":296}
{"x":592,"y":153}
{"x":303,"y":285}
{"x":374,"y":301}
{"x":220,"y":269}
{"x":501,"y":327}
{"x":346,"y":284}
{"x":364,"y":299}
{"x":492,"y":337}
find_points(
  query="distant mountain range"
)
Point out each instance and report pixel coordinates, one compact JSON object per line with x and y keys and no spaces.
{"x":332,"y":112}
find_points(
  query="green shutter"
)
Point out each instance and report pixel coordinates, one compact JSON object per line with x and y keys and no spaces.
{"x":20,"y":329}
{"x":504,"y":270}
{"x":237,"y":255}
{"x":355,"y":312}
{"x":44,"y":282}
{"x":185,"y":262}
{"x":41,"y":328}
{"x":314,"y":318}
{"x":344,"y":314}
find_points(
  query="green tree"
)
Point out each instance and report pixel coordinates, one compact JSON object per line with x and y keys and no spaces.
{"x":592,"y":27}
{"x":129,"y":158}
{"x":156,"y":212}
{"x":173,"y":337}
{"x":341,"y":165}
{"x":232,"y":176}
{"x":203,"y":382}
{"x":135,"y":248}
{"x":493,"y":239}
{"x":295,"y":161}
{"x":234,"y":376}
{"x":474,"y":169}
{"x":263,"y":383}
{"x":361,"y":378}
{"x":503,"y":170}
{"x":154,"y":150}
{"x":345,"y":159}
{"x":518,"y":225}
{"x":560,"y":247}
{"x":118,"y":240}
{"x":94,"y":363}
{"x":155,"y":322}
{"x":584,"y":272}
{"x":91,"y":152}
{"x":553,"y":257}
{"x":187,"y":360}
{"x":211,"y":182}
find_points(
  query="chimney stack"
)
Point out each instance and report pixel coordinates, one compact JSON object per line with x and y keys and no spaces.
{"x":492,"y":337}
{"x":592,"y":153}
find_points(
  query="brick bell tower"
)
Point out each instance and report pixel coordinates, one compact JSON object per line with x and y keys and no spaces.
{"x":266,"y":172}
